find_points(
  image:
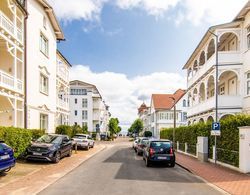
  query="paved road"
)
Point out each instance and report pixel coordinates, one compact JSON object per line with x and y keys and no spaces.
{"x":117,"y":170}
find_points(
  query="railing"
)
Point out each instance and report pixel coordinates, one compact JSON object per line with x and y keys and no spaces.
{"x":9,"y":82}
{"x":6,"y":24}
{"x":225,"y":58}
{"x":63,"y":104}
{"x":224,"y":101}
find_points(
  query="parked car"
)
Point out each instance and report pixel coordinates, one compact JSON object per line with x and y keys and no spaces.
{"x":135,"y":142}
{"x":159,"y":151}
{"x":140,"y":145}
{"x":51,"y":147}
{"x":83,"y":141}
{"x":103,"y":137}
{"x":7,"y":160}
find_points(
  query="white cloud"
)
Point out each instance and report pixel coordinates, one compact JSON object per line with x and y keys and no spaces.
{"x":123,"y":94}
{"x":193,"y":11}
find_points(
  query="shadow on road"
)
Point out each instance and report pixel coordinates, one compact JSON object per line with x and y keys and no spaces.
{"x":133,"y":168}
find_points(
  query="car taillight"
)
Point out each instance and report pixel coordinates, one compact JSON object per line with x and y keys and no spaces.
{"x":151,"y":151}
{"x":171,"y":151}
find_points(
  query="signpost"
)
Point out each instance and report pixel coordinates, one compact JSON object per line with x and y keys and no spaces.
{"x":216,"y":132}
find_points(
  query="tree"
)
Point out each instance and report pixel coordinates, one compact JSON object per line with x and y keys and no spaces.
{"x":136,"y":127}
{"x":113,"y":126}
{"x":148,"y":134}
{"x":85,"y":129}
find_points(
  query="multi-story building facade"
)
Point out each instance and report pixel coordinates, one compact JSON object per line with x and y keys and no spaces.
{"x":43,"y":32}
{"x":12,"y":48}
{"x":62,"y":90}
{"x":144,"y":115}
{"x":87,"y":107}
{"x":233,"y":71}
{"x":162,"y":111}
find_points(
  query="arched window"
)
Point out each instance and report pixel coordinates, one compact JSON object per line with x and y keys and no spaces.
{"x":184,"y":103}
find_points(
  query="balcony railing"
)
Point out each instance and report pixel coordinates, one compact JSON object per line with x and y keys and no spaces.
{"x":62,"y":104}
{"x":9,"y":27}
{"x":224,"y":101}
{"x":9,"y":82}
{"x":225,"y":58}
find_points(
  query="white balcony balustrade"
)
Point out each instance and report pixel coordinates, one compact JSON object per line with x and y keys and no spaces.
{"x":9,"y":27}
{"x":11,"y":83}
{"x":224,"y":101}
{"x":225,"y":58}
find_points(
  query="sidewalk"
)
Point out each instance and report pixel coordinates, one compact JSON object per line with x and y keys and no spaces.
{"x":45,"y":173}
{"x":230,"y":181}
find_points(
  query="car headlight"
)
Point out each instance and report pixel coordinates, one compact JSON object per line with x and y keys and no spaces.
{"x":52,"y":148}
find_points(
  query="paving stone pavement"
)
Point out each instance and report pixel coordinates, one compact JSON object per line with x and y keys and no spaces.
{"x":229,"y":180}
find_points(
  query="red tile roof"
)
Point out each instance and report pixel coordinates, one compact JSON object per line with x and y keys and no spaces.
{"x":142,"y":107}
{"x":165,"y":101}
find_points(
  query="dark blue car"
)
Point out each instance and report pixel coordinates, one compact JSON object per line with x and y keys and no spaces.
{"x":7,"y":160}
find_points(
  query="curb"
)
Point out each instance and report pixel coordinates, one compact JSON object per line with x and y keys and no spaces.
{"x":88,"y":158}
{"x":204,"y":180}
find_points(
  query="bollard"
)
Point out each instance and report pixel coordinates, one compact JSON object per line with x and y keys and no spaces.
{"x":76,"y":148}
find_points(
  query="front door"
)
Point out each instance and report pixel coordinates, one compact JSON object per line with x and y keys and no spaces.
{"x":232,"y":86}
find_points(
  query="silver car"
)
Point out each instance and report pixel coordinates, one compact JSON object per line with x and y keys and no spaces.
{"x":83,"y":141}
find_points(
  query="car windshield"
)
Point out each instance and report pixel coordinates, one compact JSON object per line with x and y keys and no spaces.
{"x":144,"y":141}
{"x":80,"y":136}
{"x":49,"y":139}
{"x":160,"y":145}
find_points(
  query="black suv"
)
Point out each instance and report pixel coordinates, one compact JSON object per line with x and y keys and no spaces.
{"x":51,"y":147}
{"x":159,"y":151}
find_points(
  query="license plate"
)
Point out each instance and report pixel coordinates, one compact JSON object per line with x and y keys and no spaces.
{"x":4,"y":157}
{"x":162,"y":158}
{"x":37,"y":154}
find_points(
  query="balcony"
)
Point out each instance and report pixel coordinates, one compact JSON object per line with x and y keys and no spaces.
{"x":225,"y":58}
{"x":224,"y":101}
{"x":11,"y":83}
{"x":96,"y":105}
{"x":62,"y":72}
{"x":10,"y":28}
{"x":62,"y":104}
{"x":96,"y":116}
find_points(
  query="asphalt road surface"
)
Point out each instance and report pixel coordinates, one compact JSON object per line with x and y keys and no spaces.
{"x":119,"y":171}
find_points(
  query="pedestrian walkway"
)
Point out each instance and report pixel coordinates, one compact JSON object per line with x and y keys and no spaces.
{"x":230,"y":181}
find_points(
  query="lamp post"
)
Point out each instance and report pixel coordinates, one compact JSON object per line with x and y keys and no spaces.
{"x":174,"y":120}
{"x":216,"y":89}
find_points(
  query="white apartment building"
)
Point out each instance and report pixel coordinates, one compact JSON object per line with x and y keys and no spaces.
{"x":162,"y":111}
{"x":43,"y":32}
{"x":233,"y":71}
{"x":144,"y":115}
{"x":12,"y":17}
{"x":62,"y":90}
{"x":87,"y":107}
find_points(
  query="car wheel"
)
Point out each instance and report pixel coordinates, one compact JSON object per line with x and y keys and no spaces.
{"x":87,"y":147}
{"x":57,"y":157}
{"x":93,"y":145}
{"x":70,"y":153}
{"x":147,"y":162}
{"x":172,"y":164}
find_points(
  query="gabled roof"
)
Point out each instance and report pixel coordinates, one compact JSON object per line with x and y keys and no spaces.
{"x":142,"y":107}
{"x":167,"y":101}
{"x":52,"y":17}
{"x":64,"y":58}
{"x":243,"y":12}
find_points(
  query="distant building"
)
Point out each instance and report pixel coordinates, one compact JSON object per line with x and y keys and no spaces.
{"x":144,"y":115}
{"x":162,"y":111}
{"x":87,"y":107}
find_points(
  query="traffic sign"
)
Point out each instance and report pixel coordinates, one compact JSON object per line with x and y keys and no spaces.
{"x":215,"y":129}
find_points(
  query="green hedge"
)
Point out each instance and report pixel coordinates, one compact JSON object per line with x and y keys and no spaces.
{"x":227,"y":143}
{"x":71,"y":130}
{"x":18,"y":138}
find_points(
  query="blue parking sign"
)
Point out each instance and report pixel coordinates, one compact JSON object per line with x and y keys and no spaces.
{"x":215,"y":129}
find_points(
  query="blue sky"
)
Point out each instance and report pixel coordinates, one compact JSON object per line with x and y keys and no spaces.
{"x":131,"y":49}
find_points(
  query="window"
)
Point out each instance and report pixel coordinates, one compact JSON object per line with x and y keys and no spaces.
{"x":75,"y":112}
{"x":43,"y":121}
{"x":84,"y":114}
{"x":248,"y":83}
{"x":84,"y":103}
{"x":248,"y":37}
{"x":184,"y":116}
{"x":44,"y":45}
{"x":75,"y":101}
{"x":75,"y":123}
{"x":44,"y":84}
{"x":184,"y":103}
{"x":222,"y":89}
{"x":84,"y":124}
{"x":44,"y":22}
{"x":78,"y":92}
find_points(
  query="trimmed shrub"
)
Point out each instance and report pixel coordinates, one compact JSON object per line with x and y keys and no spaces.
{"x":76,"y":129}
{"x":19,"y":139}
{"x":148,"y":134}
{"x":64,"y":130}
{"x":227,"y":143}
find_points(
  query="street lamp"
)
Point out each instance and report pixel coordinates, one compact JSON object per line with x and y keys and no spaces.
{"x":216,"y":89}
{"x":174,"y":120}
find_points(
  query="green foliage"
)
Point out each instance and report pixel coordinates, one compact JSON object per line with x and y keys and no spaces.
{"x":64,"y":130}
{"x":113,"y":126}
{"x":227,"y":143}
{"x":75,"y":129}
{"x":148,"y":134}
{"x":136,"y":127}
{"x":85,"y":129}
{"x":19,"y":139}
